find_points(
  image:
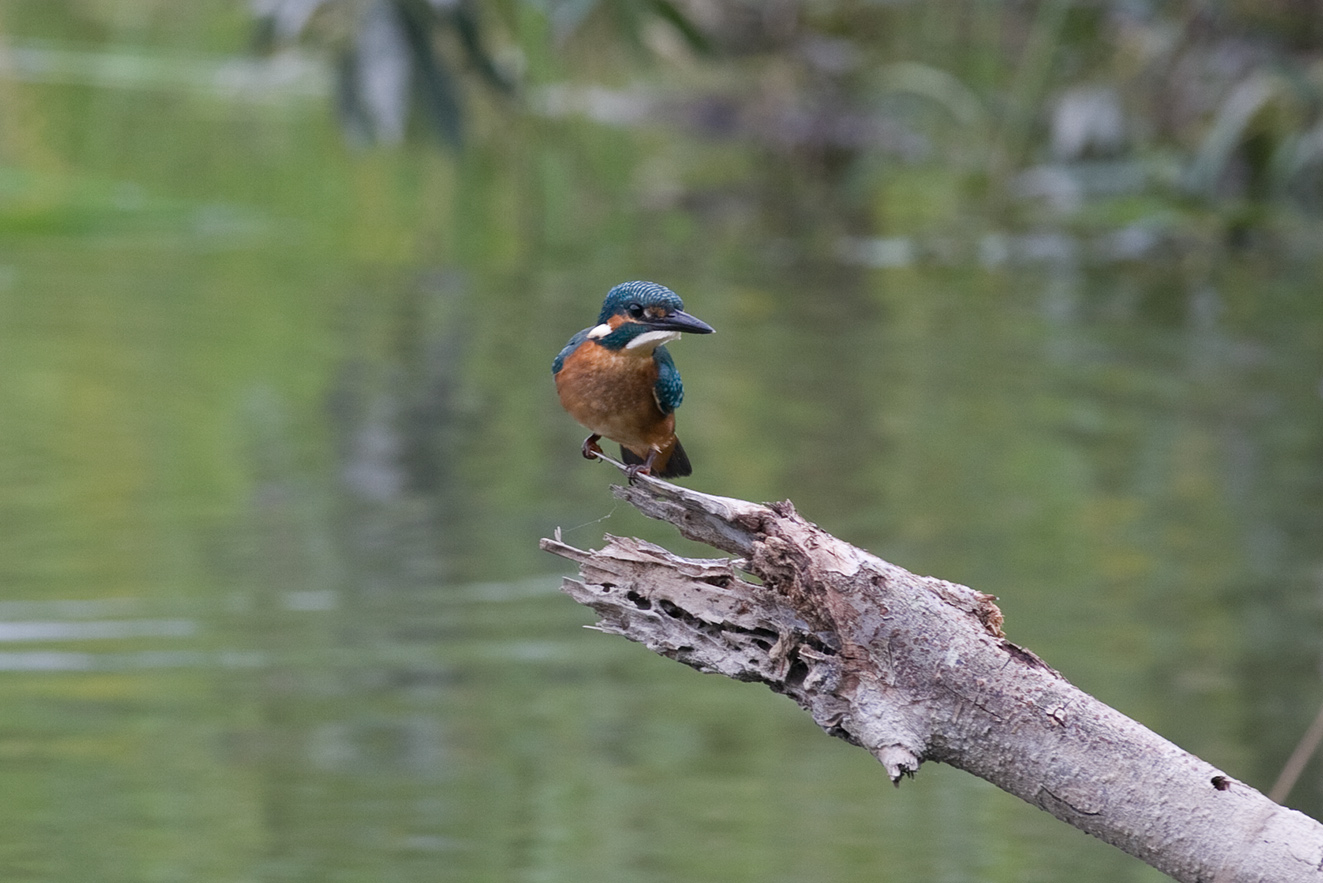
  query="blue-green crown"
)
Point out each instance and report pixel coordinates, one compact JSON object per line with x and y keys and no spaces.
{"x":645,"y":294}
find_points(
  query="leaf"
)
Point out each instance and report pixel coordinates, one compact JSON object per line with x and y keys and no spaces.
{"x":669,"y":12}
{"x":1234,"y":118}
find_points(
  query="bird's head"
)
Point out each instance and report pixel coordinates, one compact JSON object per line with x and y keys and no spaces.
{"x":643,"y":315}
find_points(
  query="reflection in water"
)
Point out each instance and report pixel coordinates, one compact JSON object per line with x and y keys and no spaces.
{"x":271,"y":489}
{"x":332,"y":700}
{"x":83,"y":631}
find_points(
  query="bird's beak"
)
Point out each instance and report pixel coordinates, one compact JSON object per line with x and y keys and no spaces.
{"x":681,"y":321}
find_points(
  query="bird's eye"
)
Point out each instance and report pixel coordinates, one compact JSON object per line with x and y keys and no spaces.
{"x":636,"y":310}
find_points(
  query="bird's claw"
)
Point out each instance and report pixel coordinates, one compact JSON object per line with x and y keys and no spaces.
{"x":591,"y":449}
{"x":634,"y":470}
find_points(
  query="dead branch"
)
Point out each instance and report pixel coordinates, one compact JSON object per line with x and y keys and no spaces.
{"x":915,"y":669}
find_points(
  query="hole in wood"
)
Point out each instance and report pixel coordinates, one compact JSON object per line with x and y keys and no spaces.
{"x":797,"y":672}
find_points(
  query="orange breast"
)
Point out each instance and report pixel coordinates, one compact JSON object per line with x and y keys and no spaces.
{"x":611,"y":393}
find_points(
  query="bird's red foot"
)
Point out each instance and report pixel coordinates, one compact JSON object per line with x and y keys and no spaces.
{"x":634,"y":470}
{"x":591,"y":449}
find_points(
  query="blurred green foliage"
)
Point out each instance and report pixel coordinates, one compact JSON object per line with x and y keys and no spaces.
{"x":1034,"y":112}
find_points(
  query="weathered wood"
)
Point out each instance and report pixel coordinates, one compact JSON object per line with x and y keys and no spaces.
{"x":917,"y":669}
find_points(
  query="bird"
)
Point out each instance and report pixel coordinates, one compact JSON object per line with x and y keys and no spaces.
{"x":618,"y":379}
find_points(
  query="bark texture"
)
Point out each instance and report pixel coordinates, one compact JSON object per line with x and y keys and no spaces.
{"x":913,"y":668}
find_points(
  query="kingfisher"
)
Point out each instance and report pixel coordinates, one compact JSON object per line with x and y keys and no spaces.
{"x":619,"y":381}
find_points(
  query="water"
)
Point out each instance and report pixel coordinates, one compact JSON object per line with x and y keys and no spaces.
{"x":280,"y":440}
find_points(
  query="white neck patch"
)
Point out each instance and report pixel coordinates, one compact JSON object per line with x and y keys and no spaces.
{"x":599,"y":331}
{"x":651,"y":340}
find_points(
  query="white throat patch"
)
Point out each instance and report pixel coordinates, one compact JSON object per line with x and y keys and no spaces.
{"x":650,"y":340}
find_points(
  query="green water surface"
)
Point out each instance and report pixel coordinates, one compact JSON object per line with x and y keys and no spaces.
{"x":278,"y":440}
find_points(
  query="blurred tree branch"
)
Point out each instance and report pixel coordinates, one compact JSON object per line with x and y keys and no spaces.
{"x":395,"y":60}
{"x":401,"y":60}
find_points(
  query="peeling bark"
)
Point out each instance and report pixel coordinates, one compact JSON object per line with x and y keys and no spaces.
{"x":915,"y":669}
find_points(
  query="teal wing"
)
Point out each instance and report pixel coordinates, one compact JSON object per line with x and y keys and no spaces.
{"x":668,"y":389}
{"x":569,"y":348}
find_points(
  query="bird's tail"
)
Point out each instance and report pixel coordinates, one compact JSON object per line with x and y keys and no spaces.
{"x":676,"y":466}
